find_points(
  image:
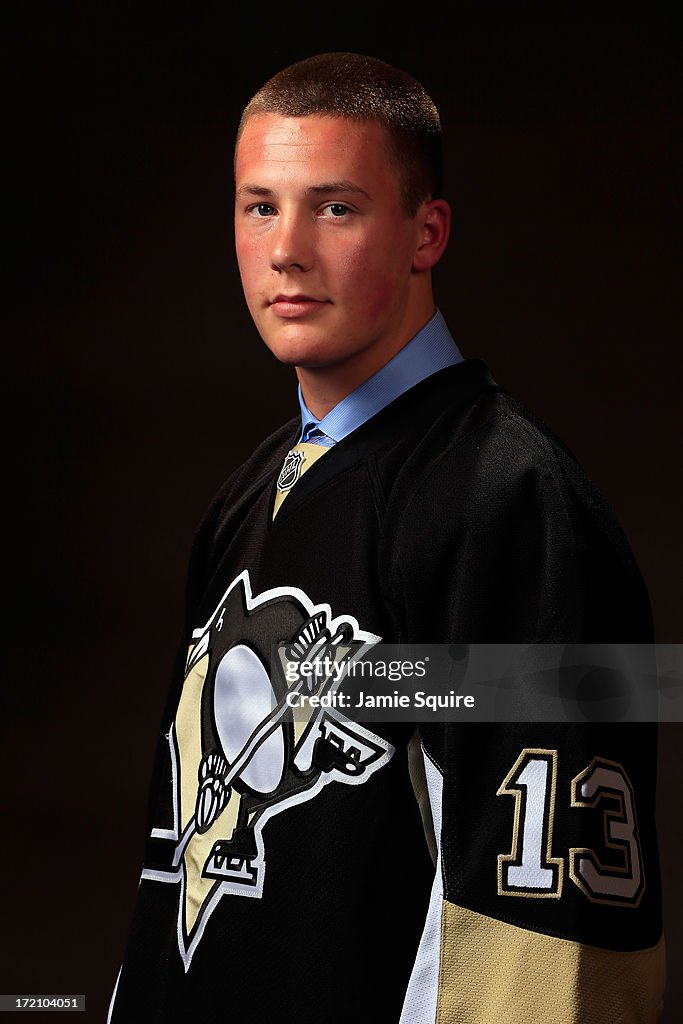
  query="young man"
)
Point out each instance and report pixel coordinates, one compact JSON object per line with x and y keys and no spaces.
{"x":288,"y":873}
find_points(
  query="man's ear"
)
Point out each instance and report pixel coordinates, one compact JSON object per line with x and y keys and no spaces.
{"x":433,"y":221}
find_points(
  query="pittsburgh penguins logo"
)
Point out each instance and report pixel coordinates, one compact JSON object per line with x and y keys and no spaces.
{"x":238,"y":754}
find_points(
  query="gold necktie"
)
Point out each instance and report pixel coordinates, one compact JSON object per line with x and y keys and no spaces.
{"x":299,"y":459}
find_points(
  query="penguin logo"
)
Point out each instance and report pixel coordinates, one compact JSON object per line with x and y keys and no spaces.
{"x":239,"y":756}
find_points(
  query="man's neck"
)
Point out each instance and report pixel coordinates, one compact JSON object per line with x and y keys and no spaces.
{"x":323,"y":387}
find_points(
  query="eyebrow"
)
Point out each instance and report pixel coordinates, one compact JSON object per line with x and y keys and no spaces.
{"x":328,"y":187}
{"x":323,"y":189}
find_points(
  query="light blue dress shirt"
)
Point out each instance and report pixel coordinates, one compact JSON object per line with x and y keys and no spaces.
{"x":431,"y":349}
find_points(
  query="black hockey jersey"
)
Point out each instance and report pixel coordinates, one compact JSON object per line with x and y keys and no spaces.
{"x":321,"y":869}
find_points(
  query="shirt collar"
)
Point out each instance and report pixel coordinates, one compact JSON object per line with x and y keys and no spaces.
{"x":432,"y":349}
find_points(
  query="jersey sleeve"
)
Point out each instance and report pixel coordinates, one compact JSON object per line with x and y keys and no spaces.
{"x":546,"y":903}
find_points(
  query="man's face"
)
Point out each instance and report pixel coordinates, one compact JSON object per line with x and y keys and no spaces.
{"x":324,"y":247}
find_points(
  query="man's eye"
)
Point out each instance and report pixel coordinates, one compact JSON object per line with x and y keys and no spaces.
{"x":336,"y":209}
{"x":261,"y":210}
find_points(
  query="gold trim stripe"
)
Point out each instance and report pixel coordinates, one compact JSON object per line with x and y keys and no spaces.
{"x":496,"y":973}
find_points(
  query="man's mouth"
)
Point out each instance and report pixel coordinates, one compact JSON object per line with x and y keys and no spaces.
{"x":292,"y":306}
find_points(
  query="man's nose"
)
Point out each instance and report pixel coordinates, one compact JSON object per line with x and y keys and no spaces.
{"x":292,"y":243}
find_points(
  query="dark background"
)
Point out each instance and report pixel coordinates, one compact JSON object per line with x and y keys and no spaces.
{"x":135,"y":381}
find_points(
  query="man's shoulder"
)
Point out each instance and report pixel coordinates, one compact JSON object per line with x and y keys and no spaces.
{"x":490,"y":464}
{"x":491,"y":501}
{"x":512,"y":440}
{"x":477,"y":437}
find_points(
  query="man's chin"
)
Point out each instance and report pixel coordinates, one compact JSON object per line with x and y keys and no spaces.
{"x":306,"y":355}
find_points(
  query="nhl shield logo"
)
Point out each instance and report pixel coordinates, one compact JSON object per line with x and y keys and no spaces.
{"x":291,"y":471}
